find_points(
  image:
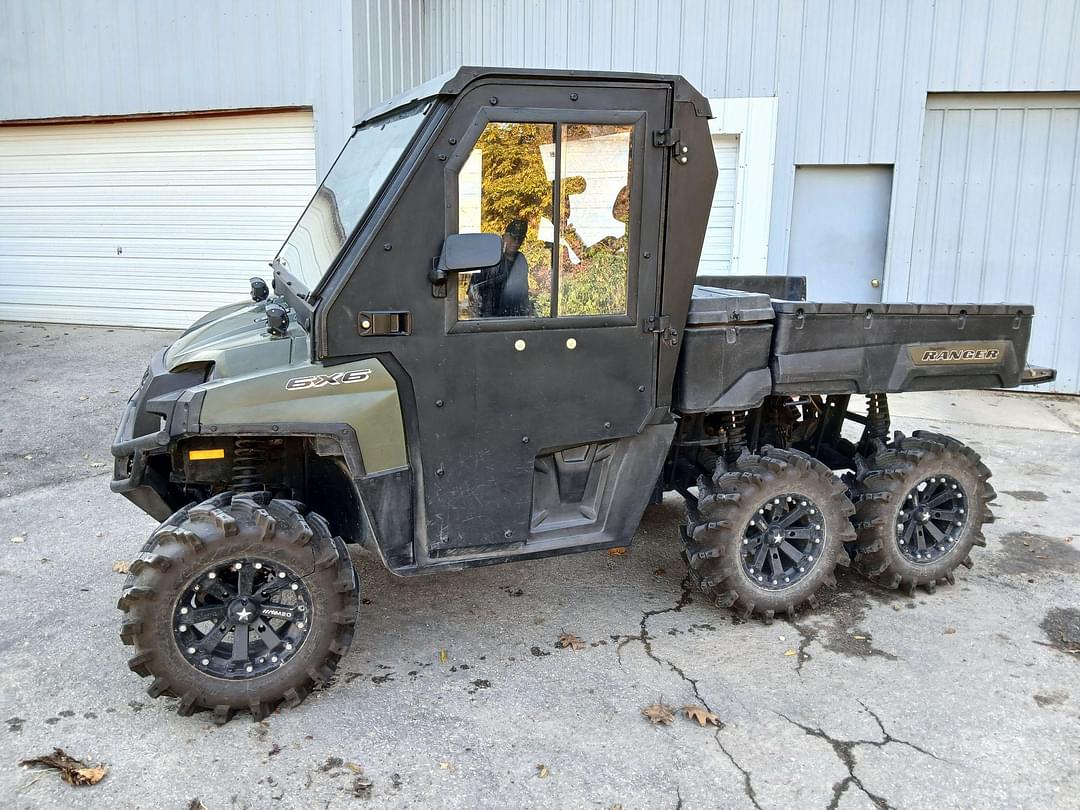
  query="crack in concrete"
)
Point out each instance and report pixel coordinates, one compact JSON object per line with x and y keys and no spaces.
{"x":845,"y":752}
{"x":748,"y":786}
{"x":646,"y":642}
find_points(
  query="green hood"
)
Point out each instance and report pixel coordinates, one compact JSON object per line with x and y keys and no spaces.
{"x":235,"y":340}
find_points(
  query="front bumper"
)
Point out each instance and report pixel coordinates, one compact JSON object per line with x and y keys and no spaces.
{"x":163,"y":409}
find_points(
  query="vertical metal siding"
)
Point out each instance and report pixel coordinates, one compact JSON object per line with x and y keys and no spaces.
{"x":999,"y":213}
{"x":387,"y":43}
{"x":63,"y":58}
{"x":851,"y":78}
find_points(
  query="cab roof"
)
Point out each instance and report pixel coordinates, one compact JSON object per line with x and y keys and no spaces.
{"x":454,"y":82}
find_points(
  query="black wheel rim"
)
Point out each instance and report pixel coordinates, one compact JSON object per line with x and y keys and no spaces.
{"x":931,"y":519}
{"x":782,"y":542}
{"x":242,"y":618}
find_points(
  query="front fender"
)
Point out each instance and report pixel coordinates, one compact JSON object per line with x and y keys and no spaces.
{"x":367,"y":403}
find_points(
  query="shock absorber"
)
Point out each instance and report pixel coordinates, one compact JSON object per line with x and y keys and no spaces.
{"x":735,"y":427}
{"x":249,"y":460}
{"x":877,"y":417}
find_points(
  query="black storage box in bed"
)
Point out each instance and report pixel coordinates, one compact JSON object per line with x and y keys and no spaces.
{"x":885,"y":348}
{"x":724,"y":361}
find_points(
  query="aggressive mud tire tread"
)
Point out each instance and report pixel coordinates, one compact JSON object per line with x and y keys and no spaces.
{"x":885,"y":479}
{"x":725,"y":504}
{"x":192,"y":535}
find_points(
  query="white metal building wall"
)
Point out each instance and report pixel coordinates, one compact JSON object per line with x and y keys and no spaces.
{"x":851,"y":77}
{"x":68,"y":58}
{"x":980,"y":148}
{"x":150,"y":222}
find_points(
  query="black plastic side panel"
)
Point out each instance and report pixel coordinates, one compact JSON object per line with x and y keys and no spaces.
{"x":898,"y":347}
{"x":715,"y":359}
{"x":633,"y":468}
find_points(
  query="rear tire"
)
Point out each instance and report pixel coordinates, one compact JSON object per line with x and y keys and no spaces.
{"x":206,"y":576}
{"x":920,"y":505}
{"x":767,"y":534}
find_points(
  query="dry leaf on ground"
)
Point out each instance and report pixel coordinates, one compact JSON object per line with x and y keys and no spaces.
{"x":542,"y":770}
{"x":121,"y":566}
{"x":949,"y":631}
{"x":352,"y":766}
{"x":73,"y":771}
{"x":703,"y":716}
{"x":790,"y":653}
{"x":18,"y":539}
{"x":617,"y":551}
{"x":659,"y":713}
{"x":568,"y":641}
{"x":196,"y":804}
{"x":443,"y":656}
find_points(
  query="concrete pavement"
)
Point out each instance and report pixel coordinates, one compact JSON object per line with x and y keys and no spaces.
{"x":969,"y":697}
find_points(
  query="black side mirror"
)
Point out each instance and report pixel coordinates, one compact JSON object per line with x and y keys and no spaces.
{"x":466,"y":251}
{"x":259,"y":290}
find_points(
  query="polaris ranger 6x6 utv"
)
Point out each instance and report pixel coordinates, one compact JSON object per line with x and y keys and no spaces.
{"x":486,"y":340}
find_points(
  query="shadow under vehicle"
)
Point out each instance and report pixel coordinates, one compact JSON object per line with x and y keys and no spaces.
{"x":486,"y":340}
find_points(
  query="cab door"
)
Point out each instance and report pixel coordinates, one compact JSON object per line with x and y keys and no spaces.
{"x":532,"y":402}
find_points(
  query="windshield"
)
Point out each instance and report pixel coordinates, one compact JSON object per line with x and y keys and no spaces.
{"x":346,"y":194}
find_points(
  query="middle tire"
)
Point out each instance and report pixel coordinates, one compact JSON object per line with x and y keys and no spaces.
{"x":767,"y":533}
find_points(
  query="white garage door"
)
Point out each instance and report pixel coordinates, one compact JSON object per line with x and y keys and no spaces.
{"x":719,"y":237}
{"x":146,"y":223}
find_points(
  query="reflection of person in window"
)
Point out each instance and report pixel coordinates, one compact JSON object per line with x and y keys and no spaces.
{"x":502,"y":290}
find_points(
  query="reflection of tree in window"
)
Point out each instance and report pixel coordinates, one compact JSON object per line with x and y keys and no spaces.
{"x":594,"y":215}
{"x":514,"y":185}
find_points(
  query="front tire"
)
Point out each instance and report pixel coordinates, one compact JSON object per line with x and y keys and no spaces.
{"x":921,"y":502}
{"x":767,"y":533}
{"x":240,"y":602}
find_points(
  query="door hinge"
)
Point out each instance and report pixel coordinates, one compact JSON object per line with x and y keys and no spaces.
{"x":661,"y":325}
{"x":672,"y":139}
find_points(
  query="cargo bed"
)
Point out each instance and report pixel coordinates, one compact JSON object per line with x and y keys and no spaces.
{"x":741,"y":346}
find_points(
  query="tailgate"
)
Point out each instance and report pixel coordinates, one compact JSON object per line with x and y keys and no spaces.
{"x":866,"y":348}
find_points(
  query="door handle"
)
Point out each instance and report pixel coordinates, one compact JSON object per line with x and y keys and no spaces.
{"x":384,"y":322}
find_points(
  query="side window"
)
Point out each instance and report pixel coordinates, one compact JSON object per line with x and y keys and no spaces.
{"x":558,"y":195}
{"x":594,"y":219}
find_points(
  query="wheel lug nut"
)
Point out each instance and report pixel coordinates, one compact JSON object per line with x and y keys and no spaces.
{"x":281,"y":575}
{"x":288,"y":646}
{"x":238,"y":566}
{"x":258,"y":566}
{"x":190,"y":650}
{"x":273,"y":659}
{"x":300,"y":625}
{"x":211,"y":575}
{"x":206,"y":662}
{"x":183,"y":628}
{"x":183,"y":611}
{"x":249,"y":667}
{"x":295,"y":587}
